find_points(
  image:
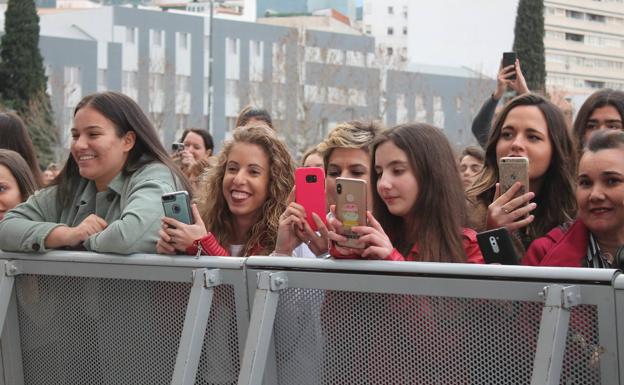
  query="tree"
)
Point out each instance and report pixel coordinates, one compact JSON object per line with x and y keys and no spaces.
{"x":529,"y":42}
{"x":22,"y":76}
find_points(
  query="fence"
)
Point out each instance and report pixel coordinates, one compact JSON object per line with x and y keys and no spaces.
{"x":82,"y":318}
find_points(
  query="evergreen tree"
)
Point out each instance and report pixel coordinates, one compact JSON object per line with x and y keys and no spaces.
{"x":22,"y":76}
{"x":529,"y":42}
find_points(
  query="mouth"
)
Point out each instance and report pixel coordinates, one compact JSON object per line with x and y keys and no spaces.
{"x":83,"y":158}
{"x":389,"y":199}
{"x":600,"y":210}
{"x":239,"y":196}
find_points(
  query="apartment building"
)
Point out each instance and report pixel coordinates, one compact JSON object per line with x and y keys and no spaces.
{"x":387,"y":21}
{"x":584,"y":45}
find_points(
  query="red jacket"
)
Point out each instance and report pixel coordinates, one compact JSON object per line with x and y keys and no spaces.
{"x":565,"y":247}
{"x":473,"y":253}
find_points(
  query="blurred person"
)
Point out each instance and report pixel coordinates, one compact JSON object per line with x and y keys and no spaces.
{"x":604,"y":109}
{"x":252,"y":116}
{"x":532,"y":127}
{"x":198,"y":145}
{"x":51,"y":172}
{"x":14,"y":136}
{"x":240,"y":202}
{"x":16,"y":181}
{"x":482,"y":123}
{"x":596,"y":238}
{"x":312,"y":158}
{"x":107,"y":198}
{"x":470,"y":164}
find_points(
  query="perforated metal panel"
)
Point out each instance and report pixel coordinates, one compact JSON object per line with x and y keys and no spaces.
{"x":115,"y":331}
{"x":334,"y":337}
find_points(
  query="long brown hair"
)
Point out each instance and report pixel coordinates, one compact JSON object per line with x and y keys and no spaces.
{"x":600,"y":98}
{"x":14,"y":136}
{"x":556,"y":202}
{"x":440,"y":208}
{"x":21,"y":172}
{"x":214,"y":209}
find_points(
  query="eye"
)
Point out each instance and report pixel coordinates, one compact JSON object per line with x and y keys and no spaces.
{"x":590,"y":126}
{"x":333,"y":173}
{"x":2,"y":188}
{"x":378,"y":172}
{"x":534,"y":138}
{"x":506,"y":135}
{"x":584,"y":183}
{"x":613,"y":181}
{"x":231,"y":169}
{"x":398,"y":171}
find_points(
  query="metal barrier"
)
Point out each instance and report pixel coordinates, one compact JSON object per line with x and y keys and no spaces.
{"x":83,"y":318}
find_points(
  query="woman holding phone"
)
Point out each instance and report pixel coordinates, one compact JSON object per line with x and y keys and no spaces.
{"x":345,"y":153}
{"x":107,"y":197}
{"x":241,"y":201}
{"x":412,"y":220}
{"x":532,"y":127}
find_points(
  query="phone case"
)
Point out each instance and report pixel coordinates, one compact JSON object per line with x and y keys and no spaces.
{"x":351,"y":208}
{"x":512,"y":170}
{"x":177,"y":205}
{"x":509,"y":58}
{"x":497,"y":247}
{"x":310,"y":193}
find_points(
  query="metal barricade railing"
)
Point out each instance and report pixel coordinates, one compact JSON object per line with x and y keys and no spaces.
{"x":84,"y":318}
{"x":366,"y":322}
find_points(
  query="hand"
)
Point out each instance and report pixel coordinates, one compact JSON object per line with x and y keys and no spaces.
{"x":503,"y":80}
{"x":519,"y":84}
{"x":507,"y":211}
{"x":317,"y":242}
{"x":293,"y":217}
{"x":378,"y":245}
{"x":335,"y":234}
{"x":74,"y":236}
{"x":180,"y":235}
{"x":162,"y":246}
{"x":187,"y":159}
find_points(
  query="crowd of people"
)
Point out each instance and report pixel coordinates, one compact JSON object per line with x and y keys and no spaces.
{"x":424,"y":202}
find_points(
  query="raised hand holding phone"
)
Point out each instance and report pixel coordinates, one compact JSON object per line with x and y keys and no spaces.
{"x":350,"y":210}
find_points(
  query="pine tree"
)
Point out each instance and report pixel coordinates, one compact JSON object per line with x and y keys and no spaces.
{"x":22,"y":76}
{"x":529,"y":42}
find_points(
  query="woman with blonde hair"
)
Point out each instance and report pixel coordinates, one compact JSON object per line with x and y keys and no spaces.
{"x":241,"y":201}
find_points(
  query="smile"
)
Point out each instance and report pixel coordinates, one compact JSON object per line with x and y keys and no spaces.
{"x":86,"y":157}
{"x":239,"y":195}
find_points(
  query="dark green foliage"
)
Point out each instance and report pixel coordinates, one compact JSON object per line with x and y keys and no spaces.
{"x":529,"y":42}
{"x":22,"y":76}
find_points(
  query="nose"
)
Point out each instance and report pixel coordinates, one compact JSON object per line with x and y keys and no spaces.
{"x":596,"y":194}
{"x":383,"y":183}
{"x":80,"y":142}
{"x":517,"y":146}
{"x":239,"y":178}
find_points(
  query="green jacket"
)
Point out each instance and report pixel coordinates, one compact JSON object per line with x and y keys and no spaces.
{"x":131,"y":206}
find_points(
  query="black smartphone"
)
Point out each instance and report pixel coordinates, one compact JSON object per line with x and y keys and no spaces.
{"x":175,"y":147}
{"x":177,"y":205}
{"x":509,"y":58}
{"x":497,"y":247}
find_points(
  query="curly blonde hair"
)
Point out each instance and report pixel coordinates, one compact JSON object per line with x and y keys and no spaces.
{"x":214,"y":209}
{"x":354,"y":134}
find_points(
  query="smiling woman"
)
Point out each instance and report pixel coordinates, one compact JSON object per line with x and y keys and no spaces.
{"x":107,"y":197}
{"x":241,"y":201}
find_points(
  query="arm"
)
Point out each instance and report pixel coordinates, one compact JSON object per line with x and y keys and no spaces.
{"x":136,"y":230}
{"x":483,"y":121}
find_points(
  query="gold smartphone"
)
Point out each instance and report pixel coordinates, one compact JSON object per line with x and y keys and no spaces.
{"x":351,"y":209}
{"x":511,"y":170}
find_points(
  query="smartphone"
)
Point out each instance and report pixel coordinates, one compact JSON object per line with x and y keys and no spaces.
{"x":310,"y":193}
{"x":497,"y":247}
{"x":511,"y":170}
{"x":177,"y":205}
{"x":175,"y":147}
{"x":351,"y":209}
{"x":509,"y":58}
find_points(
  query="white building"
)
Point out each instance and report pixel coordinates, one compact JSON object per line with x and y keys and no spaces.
{"x":388,"y":22}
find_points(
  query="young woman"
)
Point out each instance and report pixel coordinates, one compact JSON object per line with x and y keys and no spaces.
{"x":345,"y":154}
{"x":107,"y":197}
{"x":312,"y":158}
{"x":16,"y":181}
{"x":242,"y":200}
{"x":418,"y":200}
{"x":470,"y":164}
{"x":532,"y":127}
{"x":198,"y":145}
{"x":252,"y":116}
{"x":596,"y":238}
{"x":14,"y":136}
{"x":604,"y":109}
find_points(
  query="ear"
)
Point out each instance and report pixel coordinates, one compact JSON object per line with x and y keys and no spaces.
{"x":128,"y":141}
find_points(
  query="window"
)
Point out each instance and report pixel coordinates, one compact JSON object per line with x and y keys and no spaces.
{"x":183,"y":40}
{"x":594,"y":84}
{"x":157,"y":37}
{"x":574,"y":37}
{"x":405,"y":30}
{"x":390,"y":31}
{"x":368,"y":29}
{"x":101,"y":80}
{"x":405,"y":11}
{"x":130,"y":35}
{"x":390,"y":10}
{"x":574,"y":14}
{"x":389,"y":51}
{"x":596,"y":18}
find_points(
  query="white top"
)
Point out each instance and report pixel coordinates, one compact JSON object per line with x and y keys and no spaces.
{"x":303,"y":251}
{"x":235,"y":250}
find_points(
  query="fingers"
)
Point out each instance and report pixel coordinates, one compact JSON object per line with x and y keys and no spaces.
{"x":372,"y":222}
{"x":291,"y":196}
{"x":170,"y":222}
{"x":320,"y":225}
{"x":522,"y":211}
{"x":497,"y":191}
{"x":509,"y":194}
{"x":517,"y":202}
{"x":375,"y":252}
{"x":164,"y":236}
{"x":164,"y":247}
{"x":196,"y":215}
{"x":520,"y":224}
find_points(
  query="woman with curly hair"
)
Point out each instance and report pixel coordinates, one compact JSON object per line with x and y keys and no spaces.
{"x":242,"y":200}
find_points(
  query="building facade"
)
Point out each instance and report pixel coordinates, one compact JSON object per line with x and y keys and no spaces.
{"x":388,"y":22}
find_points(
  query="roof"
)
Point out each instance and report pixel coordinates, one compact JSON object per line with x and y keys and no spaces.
{"x":460,"y":72}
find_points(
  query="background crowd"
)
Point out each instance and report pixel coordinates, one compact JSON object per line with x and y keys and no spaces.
{"x":425,"y":202}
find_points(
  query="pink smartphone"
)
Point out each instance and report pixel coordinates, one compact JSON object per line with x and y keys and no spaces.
{"x":310,"y":193}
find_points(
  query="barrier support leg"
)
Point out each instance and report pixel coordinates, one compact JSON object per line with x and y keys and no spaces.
{"x":261,"y":327}
{"x":8,"y":270}
{"x":553,"y":332}
{"x":195,"y":323}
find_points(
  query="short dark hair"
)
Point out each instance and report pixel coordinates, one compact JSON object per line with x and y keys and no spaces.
{"x":14,"y":136}
{"x":21,"y":172}
{"x":600,"y":98}
{"x":474,"y":151}
{"x":250,"y":112}
{"x":208,"y":142}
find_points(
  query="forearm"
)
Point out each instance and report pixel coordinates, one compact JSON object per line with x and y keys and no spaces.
{"x":482,"y":122}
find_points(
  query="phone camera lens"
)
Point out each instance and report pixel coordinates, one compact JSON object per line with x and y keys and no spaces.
{"x":176,"y":209}
{"x":339,"y":188}
{"x":311,"y":178}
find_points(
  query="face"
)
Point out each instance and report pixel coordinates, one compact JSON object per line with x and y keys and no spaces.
{"x":194,"y":144}
{"x":48,"y":177}
{"x":97,"y":149}
{"x":525,"y":133}
{"x":469,"y":168}
{"x":314,"y":160}
{"x":602,"y":118}
{"x":600,"y":192}
{"x":347,"y":163}
{"x":396,"y":181}
{"x":246,"y":180}
{"x":10,"y":194}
